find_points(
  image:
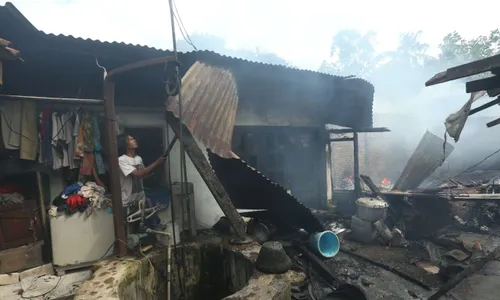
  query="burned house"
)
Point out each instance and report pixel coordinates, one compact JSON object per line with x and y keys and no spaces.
{"x":280,"y":114}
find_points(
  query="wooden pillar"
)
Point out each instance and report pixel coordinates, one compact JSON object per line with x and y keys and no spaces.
{"x":114,"y":169}
{"x":357,"y":182}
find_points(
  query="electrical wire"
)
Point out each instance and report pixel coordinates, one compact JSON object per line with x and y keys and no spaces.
{"x":181,"y":25}
{"x":9,"y":126}
{"x":187,"y":39}
{"x":43,"y":294}
{"x":475,"y":165}
{"x":182,"y":28}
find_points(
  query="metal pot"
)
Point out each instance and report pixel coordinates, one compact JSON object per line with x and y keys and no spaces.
{"x":371,"y":209}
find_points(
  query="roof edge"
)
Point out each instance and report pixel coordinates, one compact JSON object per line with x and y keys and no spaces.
{"x":19,"y":16}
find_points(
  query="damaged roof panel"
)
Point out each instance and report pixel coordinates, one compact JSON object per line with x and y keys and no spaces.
{"x":209,"y":103}
{"x":427,"y":157}
{"x":249,"y":189}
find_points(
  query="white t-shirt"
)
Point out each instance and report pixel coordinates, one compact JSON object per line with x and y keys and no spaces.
{"x":132,"y":187}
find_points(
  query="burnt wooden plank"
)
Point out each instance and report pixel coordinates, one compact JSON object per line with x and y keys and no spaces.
{"x":482,"y":84}
{"x":484,"y":106}
{"x":478,"y":265}
{"x":358,"y":130}
{"x":389,"y":267}
{"x":476,"y":67}
{"x":493,"y":92}
{"x":344,"y":139}
{"x":207,"y":173}
{"x":493,"y":123}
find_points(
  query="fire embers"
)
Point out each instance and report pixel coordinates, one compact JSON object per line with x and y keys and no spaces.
{"x":386,"y":184}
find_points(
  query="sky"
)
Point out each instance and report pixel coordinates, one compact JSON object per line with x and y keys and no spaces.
{"x":298,"y":31}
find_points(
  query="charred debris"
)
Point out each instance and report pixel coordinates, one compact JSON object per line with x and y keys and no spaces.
{"x":420,"y":238}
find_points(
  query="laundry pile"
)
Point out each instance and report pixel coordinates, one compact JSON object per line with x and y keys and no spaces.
{"x":11,"y":194}
{"x":80,"y":198}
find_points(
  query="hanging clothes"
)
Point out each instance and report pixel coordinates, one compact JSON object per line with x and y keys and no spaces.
{"x":87,"y":164}
{"x":79,"y":150}
{"x":10,"y":118}
{"x":46,"y":138}
{"x":57,"y":147}
{"x":29,"y":135}
{"x":99,"y":162}
{"x":88,"y":137}
{"x":15,"y":124}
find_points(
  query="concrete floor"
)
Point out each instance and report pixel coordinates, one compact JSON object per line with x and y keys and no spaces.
{"x":45,"y":287}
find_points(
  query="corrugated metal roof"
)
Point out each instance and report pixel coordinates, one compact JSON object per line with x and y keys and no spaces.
{"x":249,"y":189}
{"x":209,"y":103}
{"x":353,"y":107}
{"x":201,"y":53}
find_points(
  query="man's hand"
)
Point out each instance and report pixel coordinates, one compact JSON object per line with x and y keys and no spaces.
{"x":160,"y":160}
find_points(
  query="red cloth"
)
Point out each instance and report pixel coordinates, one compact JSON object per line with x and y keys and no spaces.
{"x":74,"y":201}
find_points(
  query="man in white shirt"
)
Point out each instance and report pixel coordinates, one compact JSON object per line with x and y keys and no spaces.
{"x":132,"y":171}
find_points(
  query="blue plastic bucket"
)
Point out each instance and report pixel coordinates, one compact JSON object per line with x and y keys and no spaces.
{"x":325,"y":243}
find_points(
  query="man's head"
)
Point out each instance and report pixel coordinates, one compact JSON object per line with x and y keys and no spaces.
{"x":126,"y":142}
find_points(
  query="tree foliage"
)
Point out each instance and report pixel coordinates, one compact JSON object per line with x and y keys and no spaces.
{"x":352,"y":53}
{"x":455,"y":49}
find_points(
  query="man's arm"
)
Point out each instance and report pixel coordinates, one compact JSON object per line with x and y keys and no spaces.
{"x":143,"y":172}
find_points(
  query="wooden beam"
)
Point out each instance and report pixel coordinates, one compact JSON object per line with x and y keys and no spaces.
{"x":345,"y":139}
{"x":207,"y":173}
{"x":111,"y":125}
{"x":357,"y":182}
{"x":476,"y":67}
{"x":493,"y":123}
{"x":484,"y":106}
{"x":359,"y":130}
{"x":482,"y":84}
{"x":493,"y":92}
{"x":476,"y":266}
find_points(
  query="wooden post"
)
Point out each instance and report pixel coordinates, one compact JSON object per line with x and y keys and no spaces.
{"x":115,"y":187}
{"x":357,"y":182}
{"x":207,"y":173}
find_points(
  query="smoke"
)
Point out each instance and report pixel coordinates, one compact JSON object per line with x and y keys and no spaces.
{"x":409,"y":108}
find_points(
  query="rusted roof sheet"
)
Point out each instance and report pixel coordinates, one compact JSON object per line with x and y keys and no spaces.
{"x":7,"y":52}
{"x":249,"y":189}
{"x":209,"y":102}
{"x":466,"y":70}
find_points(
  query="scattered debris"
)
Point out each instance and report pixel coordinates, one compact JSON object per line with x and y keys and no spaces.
{"x":427,"y":266}
{"x":459,"y":255}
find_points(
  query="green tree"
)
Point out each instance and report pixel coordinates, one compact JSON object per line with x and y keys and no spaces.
{"x":351,"y":53}
{"x":456,"y":50}
{"x":407,"y":65}
{"x":410,"y":53}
